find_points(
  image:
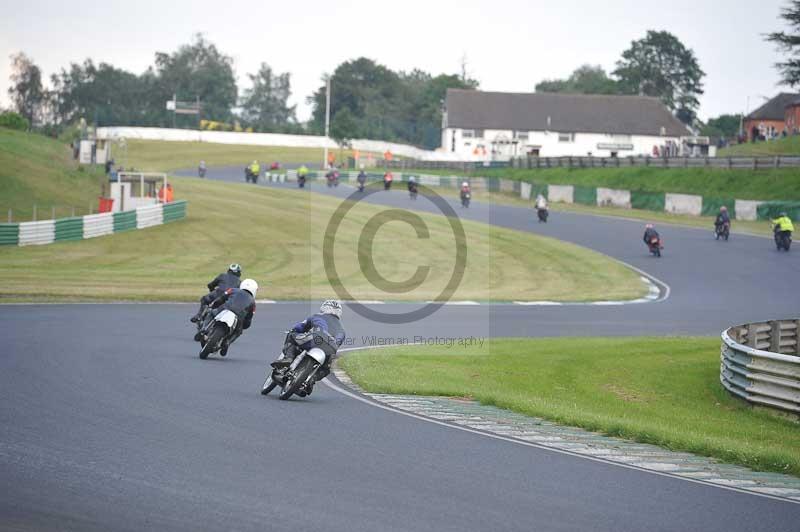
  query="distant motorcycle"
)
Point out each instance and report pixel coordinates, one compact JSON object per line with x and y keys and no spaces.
{"x":412,"y":190}
{"x":722,"y":231}
{"x":542,"y":214}
{"x":465,"y":198}
{"x":783,"y":239}
{"x":655,"y":246}
{"x":299,"y":377}
{"x":250,"y":176}
{"x":301,"y":181}
{"x":333,"y":179}
{"x":217,"y":333}
{"x":201,"y":171}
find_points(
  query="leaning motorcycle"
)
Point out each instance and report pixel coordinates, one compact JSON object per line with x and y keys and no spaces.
{"x":722,"y":230}
{"x":783,"y":240}
{"x":300,"y":376}
{"x":655,"y":246}
{"x":217,"y":332}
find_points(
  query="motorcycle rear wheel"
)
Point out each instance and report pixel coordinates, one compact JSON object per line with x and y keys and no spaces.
{"x":300,"y":376}
{"x":214,"y":340}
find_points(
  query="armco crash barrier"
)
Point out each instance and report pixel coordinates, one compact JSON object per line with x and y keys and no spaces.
{"x":93,"y":225}
{"x":760,"y":362}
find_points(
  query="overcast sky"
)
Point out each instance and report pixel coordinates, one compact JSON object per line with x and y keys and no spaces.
{"x":509,"y":45}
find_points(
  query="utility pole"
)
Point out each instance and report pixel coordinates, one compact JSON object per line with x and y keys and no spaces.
{"x":327,"y":119}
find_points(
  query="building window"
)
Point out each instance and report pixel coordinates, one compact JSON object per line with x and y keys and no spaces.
{"x":566,"y":137}
{"x":467,"y":133}
{"x":521,"y":135}
{"x":478,"y":133}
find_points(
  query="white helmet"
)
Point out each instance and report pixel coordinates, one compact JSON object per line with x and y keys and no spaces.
{"x":250,"y":285}
{"x":331,"y":306}
{"x":464,"y":184}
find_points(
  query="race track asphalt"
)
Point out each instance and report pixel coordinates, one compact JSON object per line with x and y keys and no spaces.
{"x":108,"y":421}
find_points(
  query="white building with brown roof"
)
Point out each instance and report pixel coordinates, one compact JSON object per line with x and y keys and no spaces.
{"x":498,"y":125}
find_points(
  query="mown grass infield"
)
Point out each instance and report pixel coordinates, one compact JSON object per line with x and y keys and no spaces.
{"x":663,"y":391}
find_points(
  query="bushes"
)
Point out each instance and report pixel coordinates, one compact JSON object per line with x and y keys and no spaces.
{"x":12,"y":120}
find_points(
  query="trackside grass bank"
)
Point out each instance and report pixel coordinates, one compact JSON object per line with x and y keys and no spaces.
{"x":163,"y":156}
{"x":787,"y":146}
{"x":278,"y":234}
{"x":38,"y":170}
{"x":663,"y":391}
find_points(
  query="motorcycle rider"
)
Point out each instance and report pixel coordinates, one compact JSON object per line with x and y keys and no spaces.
{"x":242,"y":302}
{"x":302,"y":175}
{"x":782,"y":225}
{"x":255,"y":169}
{"x":201,"y":169}
{"x":722,"y":218}
{"x":387,"y":180}
{"x":323,"y":330}
{"x":649,"y":234}
{"x":217,"y":287}
{"x":412,"y":186}
{"x":465,"y":191}
{"x":540,"y":204}
{"x":362,"y":179}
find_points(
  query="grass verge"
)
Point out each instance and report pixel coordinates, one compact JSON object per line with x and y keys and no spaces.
{"x":37,"y":170}
{"x":663,"y":391}
{"x":163,"y":156}
{"x":277,"y":235}
{"x":787,"y":146}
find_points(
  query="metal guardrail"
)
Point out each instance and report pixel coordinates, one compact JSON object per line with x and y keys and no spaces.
{"x":760,"y":362}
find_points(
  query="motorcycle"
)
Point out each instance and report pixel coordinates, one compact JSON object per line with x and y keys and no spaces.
{"x":783,"y":240}
{"x":250,"y":176}
{"x":465,"y":197}
{"x":361,"y":186}
{"x":201,"y":171}
{"x":299,"y":377}
{"x":542,"y":214}
{"x":301,"y":181}
{"x":333,"y":179}
{"x":217,"y":333}
{"x":412,"y":191}
{"x":655,"y":246}
{"x":722,"y":231}
{"x":387,"y":184}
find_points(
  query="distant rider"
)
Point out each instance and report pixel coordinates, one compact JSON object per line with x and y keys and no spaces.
{"x":217,"y":287}
{"x":323,"y":330}
{"x":722,"y":218}
{"x":412,"y":185}
{"x":255,"y":169}
{"x":362,"y":179}
{"x":242,"y":302}
{"x":649,"y":234}
{"x":387,"y":180}
{"x":782,"y":225}
{"x":465,"y":189}
{"x":201,"y":169}
{"x":541,"y":203}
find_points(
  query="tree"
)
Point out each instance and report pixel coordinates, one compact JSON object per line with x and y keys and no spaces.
{"x":265,"y":106}
{"x":344,"y":127}
{"x":660,"y":65}
{"x":722,"y":126}
{"x":101,"y":94}
{"x":26,"y":90}
{"x":789,"y":43}
{"x":587,"y":79}
{"x":197,"y":70}
{"x":384,"y":104}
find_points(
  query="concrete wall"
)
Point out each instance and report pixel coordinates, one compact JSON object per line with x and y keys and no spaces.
{"x":683,"y":204}
{"x":609,"y":197}
{"x":560,"y":193}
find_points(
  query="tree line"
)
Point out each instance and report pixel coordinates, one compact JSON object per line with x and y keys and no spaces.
{"x":408,"y":105}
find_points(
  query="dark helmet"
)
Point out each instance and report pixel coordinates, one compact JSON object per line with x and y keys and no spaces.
{"x":235,"y":269}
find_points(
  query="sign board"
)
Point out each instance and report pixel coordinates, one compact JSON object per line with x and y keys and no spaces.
{"x":86,"y":152}
{"x":614,"y":146}
{"x":170,"y":105}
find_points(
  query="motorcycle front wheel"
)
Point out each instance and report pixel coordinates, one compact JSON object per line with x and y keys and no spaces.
{"x":268,"y":385}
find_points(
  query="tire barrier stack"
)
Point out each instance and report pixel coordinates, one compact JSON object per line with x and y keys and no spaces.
{"x":760,"y":362}
{"x":90,"y":226}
